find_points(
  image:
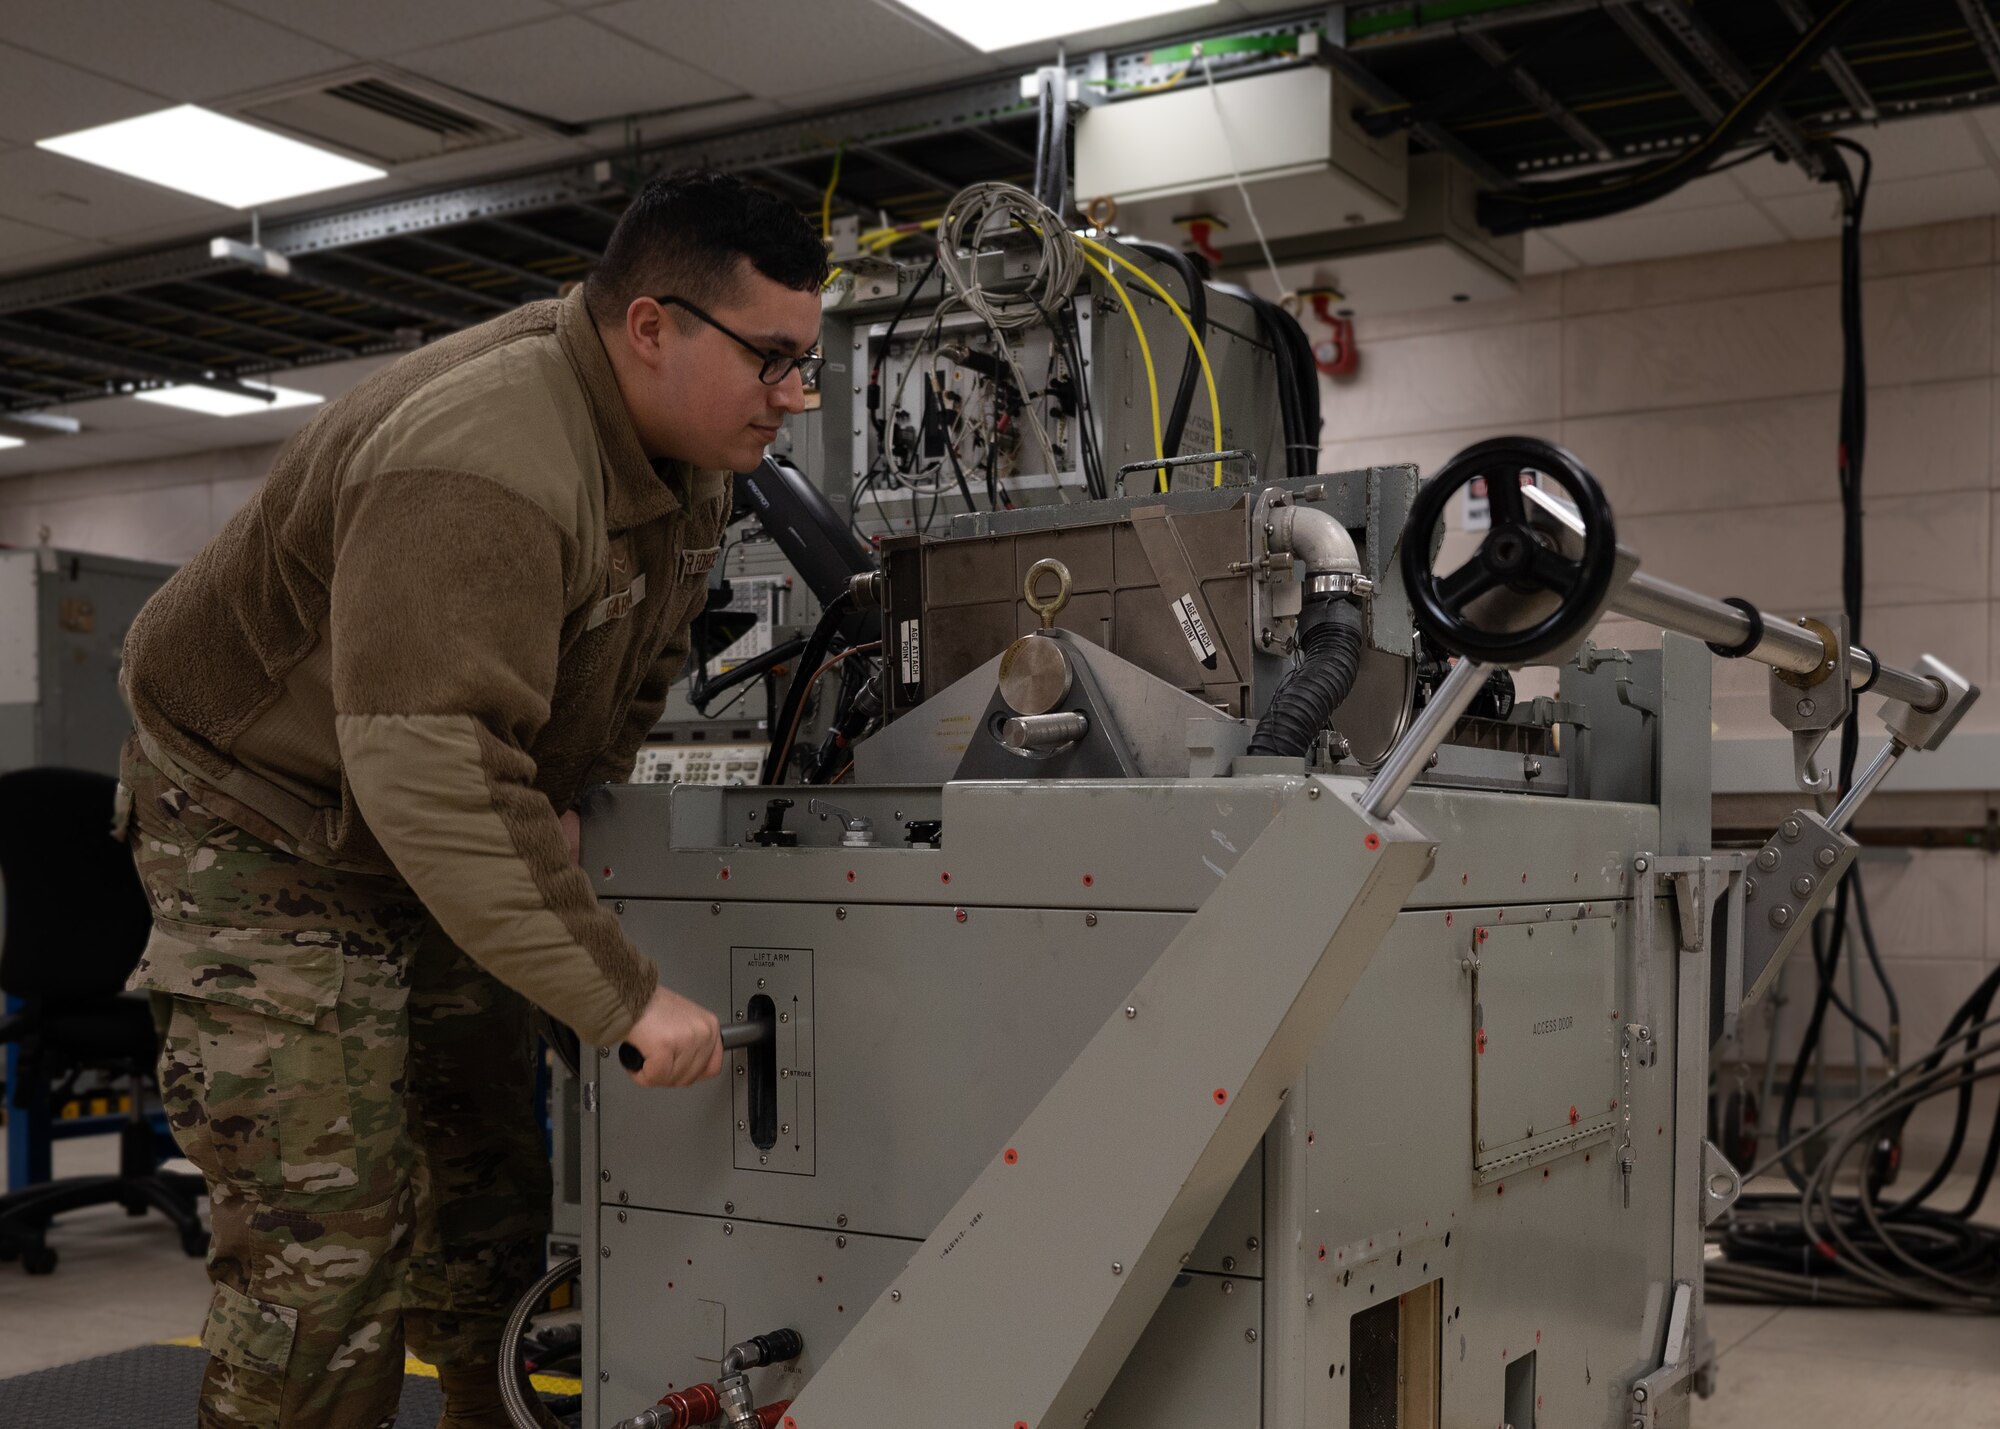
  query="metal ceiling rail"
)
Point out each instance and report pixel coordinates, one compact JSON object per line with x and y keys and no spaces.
{"x":1834,"y":63}
{"x":1536,"y":93}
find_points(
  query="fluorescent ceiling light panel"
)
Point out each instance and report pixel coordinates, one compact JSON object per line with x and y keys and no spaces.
{"x":6,"y":442}
{"x":211,"y":156}
{"x":214,"y":402}
{"x":1003,"y":24}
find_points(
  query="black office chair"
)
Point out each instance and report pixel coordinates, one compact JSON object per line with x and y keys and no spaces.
{"x":76,"y":923}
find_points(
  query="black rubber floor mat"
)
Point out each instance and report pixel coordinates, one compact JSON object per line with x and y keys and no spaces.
{"x":152,"y":1387}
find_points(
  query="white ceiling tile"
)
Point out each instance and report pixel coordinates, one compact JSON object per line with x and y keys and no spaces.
{"x":373,"y":28}
{"x":1933,"y":144}
{"x":41,"y":98}
{"x":1896,"y":203}
{"x":568,"y":69}
{"x":184,"y":49}
{"x":84,"y":201}
{"x":1544,"y":255}
{"x":1647,"y":234}
{"x":1135,"y":32}
{"x":849,"y":42}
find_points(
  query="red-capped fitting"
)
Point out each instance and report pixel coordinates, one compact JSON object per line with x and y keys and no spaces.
{"x":687,"y":1408}
{"x":771,"y":1415}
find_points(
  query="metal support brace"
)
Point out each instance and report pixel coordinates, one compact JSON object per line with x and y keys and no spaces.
{"x":1666,"y":61}
{"x":1649,"y":1395}
{"x":1984,"y":32}
{"x":1532,"y":89}
{"x":1835,"y":64}
{"x":1716,"y":57}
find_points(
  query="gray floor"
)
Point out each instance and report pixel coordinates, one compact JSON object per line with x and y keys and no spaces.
{"x":124,"y":1282}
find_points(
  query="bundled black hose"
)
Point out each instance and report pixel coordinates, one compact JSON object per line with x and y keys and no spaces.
{"x":1298,"y":379}
{"x":1329,"y":657}
{"x":830,"y":620}
{"x":1197,"y":314}
{"x":1528,"y":206}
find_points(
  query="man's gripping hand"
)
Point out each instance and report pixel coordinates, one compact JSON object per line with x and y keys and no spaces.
{"x":681,"y":1041}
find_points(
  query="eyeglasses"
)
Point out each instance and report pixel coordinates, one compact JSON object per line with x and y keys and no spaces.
{"x":777,"y":366}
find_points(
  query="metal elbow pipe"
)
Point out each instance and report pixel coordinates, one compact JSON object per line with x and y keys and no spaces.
{"x":1315,"y":538}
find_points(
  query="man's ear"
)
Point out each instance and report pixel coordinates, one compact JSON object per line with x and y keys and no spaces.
{"x":645,"y":325}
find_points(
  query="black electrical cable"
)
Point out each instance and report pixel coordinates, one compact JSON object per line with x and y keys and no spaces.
{"x":1197,"y":316}
{"x":1528,"y":206}
{"x":830,"y":620}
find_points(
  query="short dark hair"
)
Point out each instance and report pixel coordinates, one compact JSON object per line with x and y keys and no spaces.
{"x":685,"y":234}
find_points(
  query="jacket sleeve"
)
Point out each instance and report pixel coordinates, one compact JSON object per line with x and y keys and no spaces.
{"x":448,"y":598}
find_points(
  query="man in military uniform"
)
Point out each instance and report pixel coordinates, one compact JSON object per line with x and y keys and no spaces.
{"x":364,"y":713}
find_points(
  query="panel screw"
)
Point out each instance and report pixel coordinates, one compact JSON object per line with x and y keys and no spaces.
{"x":1228,"y":1262}
{"x":840,"y":1242}
{"x":604,"y":1175}
{"x":1116,"y":1268}
{"x":760,"y":983}
{"x":1825,"y":857}
{"x":624,"y":1198}
{"x":1807,"y":709}
{"x":619,"y":906}
{"x":763,"y":1161}
{"x":739,"y":1069}
{"x":1131,"y":1012}
{"x":1791,"y":829}
{"x":784,"y":1017}
{"x":785,"y":1129}
{"x":604,"y":1252}
{"x":841,"y":914}
{"x":1090,"y":920}
{"x":1309,"y":1297}
{"x":1802,"y":885}
{"x":1229,"y":1287}
{"x":1251,"y":1243}
{"x":728,"y":1229}
{"x":1249,"y":1337}
{"x":1432,"y":762}
{"x":715,"y":908}
{"x":1313,"y":793}
{"x":1641,"y":865}
{"x":897,"y":1296}
{"x":1781,"y":916}
{"x":729,"y":1208}
{"x":1767,"y":859}
{"x":840,"y":1221}
{"x":741,"y":1127}
{"x":1638,"y":1394}
{"x":623,"y":1216}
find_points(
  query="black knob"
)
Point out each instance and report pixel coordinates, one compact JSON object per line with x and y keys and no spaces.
{"x":774,"y":834}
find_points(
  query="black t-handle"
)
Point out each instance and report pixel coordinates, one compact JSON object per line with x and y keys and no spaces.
{"x":734,"y":1035}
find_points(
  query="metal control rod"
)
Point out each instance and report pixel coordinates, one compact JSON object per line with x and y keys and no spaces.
{"x":734,"y":1035}
{"x":1784,"y":646}
{"x":1413,"y":751}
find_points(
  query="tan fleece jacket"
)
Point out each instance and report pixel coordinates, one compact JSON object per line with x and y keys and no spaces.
{"x":458,"y":600}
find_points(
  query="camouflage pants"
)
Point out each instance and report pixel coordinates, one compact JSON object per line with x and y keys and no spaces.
{"x":357,"y":1094}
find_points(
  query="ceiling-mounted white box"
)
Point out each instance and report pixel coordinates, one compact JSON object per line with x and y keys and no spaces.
{"x":1432,"y":257}
{"x":1291,"y":135}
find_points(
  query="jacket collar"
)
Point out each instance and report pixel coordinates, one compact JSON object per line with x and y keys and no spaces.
{"x":636,"y":490}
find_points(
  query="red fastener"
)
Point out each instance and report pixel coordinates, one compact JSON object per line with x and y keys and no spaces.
{"x":724,"y":875}
{"x":944,"y":878}
{"x":1089,"y":880}
{"x":850,"y":875}
{"x":1010,"y":1156}
{"x":1372,"y":842}
{"x":959,"y":913}
{"x":1221,"y":1097}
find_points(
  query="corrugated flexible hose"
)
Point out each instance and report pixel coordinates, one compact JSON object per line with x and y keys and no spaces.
{"x":1329,"y":657}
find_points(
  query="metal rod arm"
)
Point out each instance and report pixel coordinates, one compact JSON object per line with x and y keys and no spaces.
{"x":1413,"y":751}
{"x":1784,"y":646}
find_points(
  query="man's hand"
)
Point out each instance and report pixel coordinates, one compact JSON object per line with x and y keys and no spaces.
{"x":681,"y":1041}
{"x":572,"y":827}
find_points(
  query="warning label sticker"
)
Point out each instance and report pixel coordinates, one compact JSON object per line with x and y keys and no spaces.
{"x":911,"y":652}
{"x":1194,"y":632}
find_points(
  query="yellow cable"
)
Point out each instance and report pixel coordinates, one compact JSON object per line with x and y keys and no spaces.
{"x":826,"y":200}
{"x":1194,"y":338}
{"x":1145,"y":353}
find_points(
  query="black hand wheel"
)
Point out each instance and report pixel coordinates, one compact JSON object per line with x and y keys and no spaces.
{"x":1514,"y":556}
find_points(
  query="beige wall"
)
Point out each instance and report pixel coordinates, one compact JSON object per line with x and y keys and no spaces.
{"x":1702,"y":392}
{"x":162,"y":510}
